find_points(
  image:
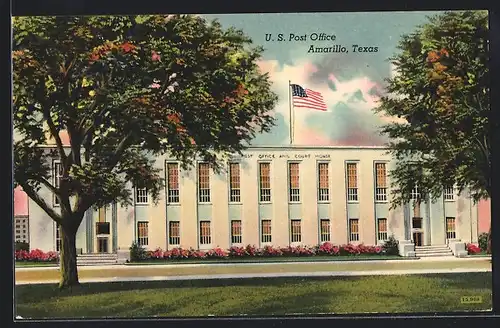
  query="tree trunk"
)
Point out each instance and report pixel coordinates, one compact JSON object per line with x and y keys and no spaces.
{"x":69,"y":271}
{"x":488,"y":247}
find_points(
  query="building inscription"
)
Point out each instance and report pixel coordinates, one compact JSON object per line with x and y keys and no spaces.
{"x":271,"y":156}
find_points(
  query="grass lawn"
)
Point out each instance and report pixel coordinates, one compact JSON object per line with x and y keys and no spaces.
{"x":482,"y":253}
{"x":270,"y":296}
{"x":277,"y":259}
{"x":23,"y":264}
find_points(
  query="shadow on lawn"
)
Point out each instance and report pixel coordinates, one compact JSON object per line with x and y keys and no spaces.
{"x":46,"y":291}
{"x":39,"y":293}
{"x":465,"y":281}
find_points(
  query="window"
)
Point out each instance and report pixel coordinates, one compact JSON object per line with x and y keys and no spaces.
{"x":265,"y":182}
{"x":323,"y":187}
{"x":204,"y":183}
{"x":296,"y":231}
{"x":141,"y":196}
{"x":58,"y":173}
{"x":382,"y":229}
{"x":205,"y":237}
{"x":417,"y":223}
{"x":142,"y":233}
{"x":174,"y":233}
{"x":449,"y":193}
{"x":234,"y":183}
{"x":21,"y":224}
{"x":173,"y":183}
{"x":58,"y":238}
{"x":324,"y":230}
{"x":352,"y":182}
{"x":101,"y":214}
{"x":353,"y":230}
{"x":236,"y":232}
{"x":415,"y":193}
{"x":266,"y":231}
{"x":102,"y":228}
{"x":380,"y":182}
{"x":450,"y":228}
{"x":293,"y":179}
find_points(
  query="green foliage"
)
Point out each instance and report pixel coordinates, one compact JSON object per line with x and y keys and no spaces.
{"x":137,"y":252}
{"x":440,"y":92}
{"x":127,"y":89}
{"x":483,"y":241}
{"x":390,"y":246}
{"x":21,"y":246}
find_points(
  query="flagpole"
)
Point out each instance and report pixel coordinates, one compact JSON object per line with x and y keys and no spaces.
{"x":290,"y":114}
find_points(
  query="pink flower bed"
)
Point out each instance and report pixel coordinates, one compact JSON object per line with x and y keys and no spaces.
{"x":473,"y":249}
{"x":267,"y":251}
{"x":36,"y":255}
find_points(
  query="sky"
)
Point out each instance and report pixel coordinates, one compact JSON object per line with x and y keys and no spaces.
{"x":350,"y":83}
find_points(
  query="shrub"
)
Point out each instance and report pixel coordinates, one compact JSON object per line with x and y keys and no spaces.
{"x":237,"y":251}
{"x":271,"y":251}
{"x":483,"y":241}
{"x":390,"y":247}
{"x":327,"y":249}
{"x":251,"y":250}
{"x":21,"y":246}
{"x":216,"y":253}
{"x":177,"y":253}
{"x":137,"y":252}
{"x":197,"y":254}
{"x":473,"y":249}
{"x":156,"y":254}
{"x":36,"y":255}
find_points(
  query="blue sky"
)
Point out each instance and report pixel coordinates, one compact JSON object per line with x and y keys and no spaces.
{"x":349,"y":82}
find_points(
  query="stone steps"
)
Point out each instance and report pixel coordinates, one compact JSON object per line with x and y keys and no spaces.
{"x":96,"y":259}
{"x":433,"y":251}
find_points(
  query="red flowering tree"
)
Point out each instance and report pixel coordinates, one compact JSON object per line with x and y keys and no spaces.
{"x":441,"y":90}
{"x":124,"y":89}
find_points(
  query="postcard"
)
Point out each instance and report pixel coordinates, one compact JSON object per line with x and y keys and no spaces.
{"x":251,"y":164}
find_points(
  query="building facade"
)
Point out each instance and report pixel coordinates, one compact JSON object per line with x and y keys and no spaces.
{"x":276,"y":196}
{"x":21,"y":216}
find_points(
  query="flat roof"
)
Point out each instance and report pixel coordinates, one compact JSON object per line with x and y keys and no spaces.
{"x":274,"y":147}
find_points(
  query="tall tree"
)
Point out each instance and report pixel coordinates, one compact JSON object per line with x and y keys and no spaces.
{"x":125,"y":89}
{"x":441,"y":91}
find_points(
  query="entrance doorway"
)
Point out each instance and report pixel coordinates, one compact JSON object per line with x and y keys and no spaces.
{"x":102,"y":245}
{"x":102,"y":231}
{"x":418,"y":234}
{"x":418,"y":238}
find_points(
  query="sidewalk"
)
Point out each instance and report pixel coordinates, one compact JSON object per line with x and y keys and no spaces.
{"x":255,"y":270}
{"x":263,"y":275}
{"x":212,"y":264}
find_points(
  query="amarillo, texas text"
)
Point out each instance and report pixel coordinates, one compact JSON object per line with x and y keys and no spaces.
{"x":337,"y":48}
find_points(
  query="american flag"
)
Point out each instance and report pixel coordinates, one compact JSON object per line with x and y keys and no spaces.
{"x":307,"y":98}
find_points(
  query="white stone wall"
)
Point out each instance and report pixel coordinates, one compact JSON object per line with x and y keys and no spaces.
{"x":250,"y":211}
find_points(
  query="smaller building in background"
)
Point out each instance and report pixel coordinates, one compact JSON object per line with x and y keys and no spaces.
{"x":21,"y":216}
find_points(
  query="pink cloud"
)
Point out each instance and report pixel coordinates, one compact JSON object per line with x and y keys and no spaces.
{"x":305,"y":136}
{"x":360,"y":109}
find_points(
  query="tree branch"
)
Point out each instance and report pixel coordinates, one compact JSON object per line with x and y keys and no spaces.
{"x":45,"y":183}
{"x":55,"y":133}
{"x":120,"y":149}
{"x":40,"y":202}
